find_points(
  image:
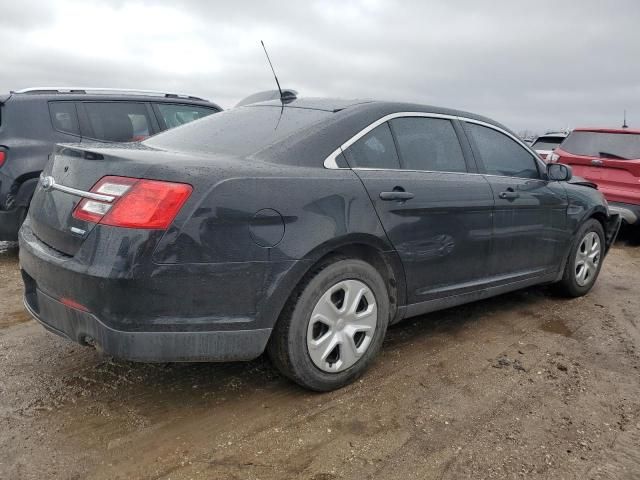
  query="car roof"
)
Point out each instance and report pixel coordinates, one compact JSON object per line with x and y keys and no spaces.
{"x":313,"y":103}
{"x":630,"y":131}
{"x":87,"y":93}
{"x":338,"y":105}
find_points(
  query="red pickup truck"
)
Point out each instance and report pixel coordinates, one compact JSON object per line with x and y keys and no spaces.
{"x":610,"y":158}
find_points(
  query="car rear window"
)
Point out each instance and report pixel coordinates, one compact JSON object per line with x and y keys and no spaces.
{"x":176,"y":115}
{"x":242,"y":131}
{"x":547,"y":143}
{"x":623,"y":146}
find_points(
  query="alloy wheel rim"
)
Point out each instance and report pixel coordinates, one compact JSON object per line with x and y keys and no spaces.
{"x":587,"y":258}
{"x":342,"y":325}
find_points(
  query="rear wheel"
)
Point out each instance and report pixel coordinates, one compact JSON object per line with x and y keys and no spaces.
{"x":585,"y":260}
{"x":333,"y":326}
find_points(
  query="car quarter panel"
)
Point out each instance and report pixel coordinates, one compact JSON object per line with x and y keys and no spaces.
{"x":238,"y":222}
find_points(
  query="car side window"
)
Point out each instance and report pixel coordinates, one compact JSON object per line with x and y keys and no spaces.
{"x":502,"y":155}
{"x":118,"y":121}
{"x":428,"y":144}
{"x":64,"y":117}
{"x":176,"y":115}
{"x":375,"y":150}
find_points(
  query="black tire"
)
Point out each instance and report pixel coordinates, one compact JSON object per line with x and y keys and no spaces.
{"x":288,"y":344}
{"x":568,"y":286}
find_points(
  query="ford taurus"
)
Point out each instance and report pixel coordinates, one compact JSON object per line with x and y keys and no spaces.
{"x":301,"y":229}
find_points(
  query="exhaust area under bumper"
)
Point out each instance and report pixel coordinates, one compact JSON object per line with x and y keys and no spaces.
{"x":166,"y":346}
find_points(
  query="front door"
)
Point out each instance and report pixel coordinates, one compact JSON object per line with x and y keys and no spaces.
{"x":530,"y":212}
{"x":436,"y":214}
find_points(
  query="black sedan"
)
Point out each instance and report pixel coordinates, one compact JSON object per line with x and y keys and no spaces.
{"x":303,"y":229}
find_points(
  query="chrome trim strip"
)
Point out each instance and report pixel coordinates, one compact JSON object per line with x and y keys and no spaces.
{"x":83,"y":194}
{"x":331,"y":163}
{"x":74,"y":191}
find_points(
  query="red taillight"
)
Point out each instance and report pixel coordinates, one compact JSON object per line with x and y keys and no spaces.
{"x":138,"y":203}
{"x":3,"y":157}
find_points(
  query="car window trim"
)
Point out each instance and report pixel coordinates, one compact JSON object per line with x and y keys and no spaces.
{"x":331,"y":163}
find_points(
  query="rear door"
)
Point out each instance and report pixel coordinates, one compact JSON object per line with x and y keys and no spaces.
{"x":436,"y":214}
{"x":530,"y":212}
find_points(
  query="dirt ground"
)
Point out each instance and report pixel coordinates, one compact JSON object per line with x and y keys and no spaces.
{"x":525,"y":385}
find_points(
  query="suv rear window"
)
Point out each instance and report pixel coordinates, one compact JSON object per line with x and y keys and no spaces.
{"x":176,"y":115}
{"x":547,"y":143}
{"x":621,"y":146}
{"x":64,"y":117}
{"x":118,"y":121}
{"x":242,"y":131}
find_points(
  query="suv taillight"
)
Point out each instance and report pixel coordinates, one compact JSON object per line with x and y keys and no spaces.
{"x":138,"y":203}
{"x":3,"y":156}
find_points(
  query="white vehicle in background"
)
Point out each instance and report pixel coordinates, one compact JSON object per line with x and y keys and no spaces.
{"x":545,"y":144}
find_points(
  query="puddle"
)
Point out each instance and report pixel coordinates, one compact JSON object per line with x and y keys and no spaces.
{"x":556,"y":326}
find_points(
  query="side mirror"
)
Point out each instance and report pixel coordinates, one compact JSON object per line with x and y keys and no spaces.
{"x":559,"y":172}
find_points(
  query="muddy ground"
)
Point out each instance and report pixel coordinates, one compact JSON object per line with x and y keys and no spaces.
{"x":525,"y":385}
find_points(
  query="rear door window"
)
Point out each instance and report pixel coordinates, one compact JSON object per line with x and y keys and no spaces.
{"x":428,"y":144}
{"x":619,"y":146}
{"x":118,"y":121}
{"x":175,"y":115}
{"x":375,"y":150}
{"x":64,"y":117}
{"x":500,"y":154}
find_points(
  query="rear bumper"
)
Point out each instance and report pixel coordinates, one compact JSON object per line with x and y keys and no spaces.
{"x":85,"y":328}
{"x":629,"y":212}
{"x":151,"y":312}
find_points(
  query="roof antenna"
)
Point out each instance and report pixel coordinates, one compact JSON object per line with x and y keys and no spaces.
{"x":624,"y":122}
{"x":287,"y":95}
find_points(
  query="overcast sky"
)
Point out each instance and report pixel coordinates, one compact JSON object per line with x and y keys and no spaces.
{"x":531,"y":65}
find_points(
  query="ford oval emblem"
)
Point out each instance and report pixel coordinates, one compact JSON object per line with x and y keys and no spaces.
{"x":47,"y":182}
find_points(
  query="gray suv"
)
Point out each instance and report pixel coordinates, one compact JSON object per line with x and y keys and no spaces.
{"x":33,"y":120}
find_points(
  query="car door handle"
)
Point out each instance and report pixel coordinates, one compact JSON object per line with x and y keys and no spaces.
{"x":396,"y":195}
{"x":596,"y":162}
{"x":509,"y":194}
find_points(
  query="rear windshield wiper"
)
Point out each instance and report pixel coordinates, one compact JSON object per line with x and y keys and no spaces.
{"x":611,"y":155}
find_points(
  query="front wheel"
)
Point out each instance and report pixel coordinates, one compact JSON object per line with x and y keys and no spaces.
{"x":333,"y":325}
{"x":585,"y":260}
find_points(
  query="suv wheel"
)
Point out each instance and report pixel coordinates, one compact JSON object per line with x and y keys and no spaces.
{"x":585,"y":260}
{"x":333,"y":326}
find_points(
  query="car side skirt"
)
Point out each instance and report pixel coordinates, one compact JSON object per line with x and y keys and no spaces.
{"x":468,"y":297}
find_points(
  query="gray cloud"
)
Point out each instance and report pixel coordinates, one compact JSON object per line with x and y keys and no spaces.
{"x":532,"y":66}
